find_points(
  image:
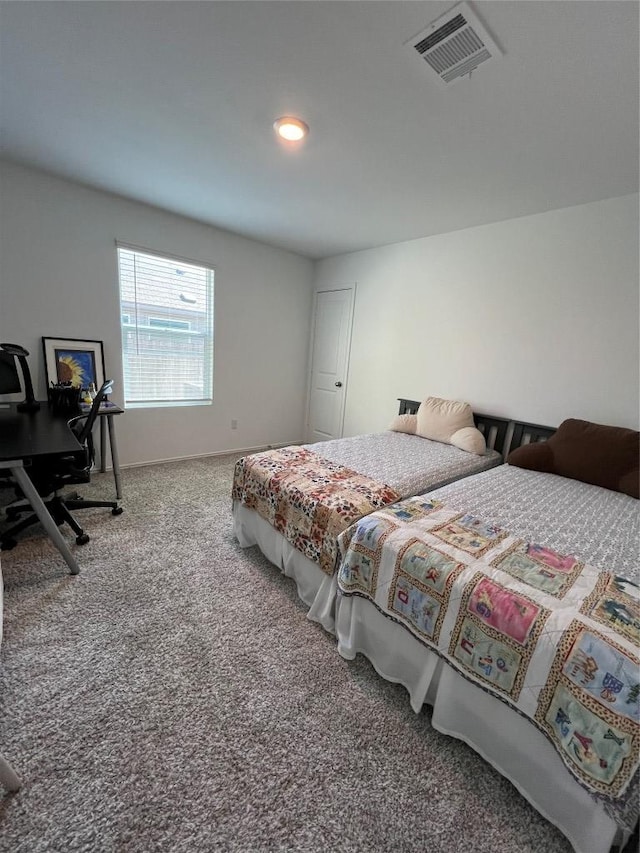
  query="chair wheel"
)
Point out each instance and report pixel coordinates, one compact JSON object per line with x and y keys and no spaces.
{"x":13,"y":513}
{"x":118,"y":510}
{"x":7,"y":544}
{"x":82,"y":540}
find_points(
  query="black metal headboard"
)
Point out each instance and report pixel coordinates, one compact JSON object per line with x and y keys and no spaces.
{"x":408,"y":407}
{"x":494,"y":429}
{"x":525,"y":433}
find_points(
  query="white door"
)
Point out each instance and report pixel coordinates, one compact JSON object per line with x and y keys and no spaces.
{"x":329,"y":363}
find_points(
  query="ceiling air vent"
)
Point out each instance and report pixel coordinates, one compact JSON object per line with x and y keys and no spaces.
{"x":455,"y":44}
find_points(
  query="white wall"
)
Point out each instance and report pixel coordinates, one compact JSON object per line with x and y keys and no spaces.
{"x":534,"y":319}
{"x":58,"y":278}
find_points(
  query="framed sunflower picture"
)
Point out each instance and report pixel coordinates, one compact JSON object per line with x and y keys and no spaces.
{"x":80,"y":363}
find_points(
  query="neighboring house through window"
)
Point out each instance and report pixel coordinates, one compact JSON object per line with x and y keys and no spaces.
{"x":166,"y":309}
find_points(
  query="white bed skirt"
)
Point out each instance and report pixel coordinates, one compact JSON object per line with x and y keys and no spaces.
{"x":315,"y":588}
{"x":507,"y":741}
{"x":460,"y":709}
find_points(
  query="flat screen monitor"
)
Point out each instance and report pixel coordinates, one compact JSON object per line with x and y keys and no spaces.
{"x":11,"y":381}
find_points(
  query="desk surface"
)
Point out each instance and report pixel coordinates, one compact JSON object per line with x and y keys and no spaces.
{"x":27,"y":434}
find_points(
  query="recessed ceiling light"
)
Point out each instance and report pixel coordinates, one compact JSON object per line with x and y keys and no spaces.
{"x":290,"y":128}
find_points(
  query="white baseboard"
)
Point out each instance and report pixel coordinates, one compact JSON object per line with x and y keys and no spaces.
{"x":241,"y":450}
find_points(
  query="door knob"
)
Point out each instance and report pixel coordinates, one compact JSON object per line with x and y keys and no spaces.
{"x":338,"y":384}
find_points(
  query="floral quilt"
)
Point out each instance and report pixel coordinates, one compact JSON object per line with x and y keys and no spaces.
{"x":553,"y":637}
{"x":306,"y":498}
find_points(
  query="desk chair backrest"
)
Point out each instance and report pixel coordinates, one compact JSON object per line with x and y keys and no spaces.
{"x":83,"y":424}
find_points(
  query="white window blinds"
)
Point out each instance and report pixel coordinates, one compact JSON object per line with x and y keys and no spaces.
{"x":166,"y":309}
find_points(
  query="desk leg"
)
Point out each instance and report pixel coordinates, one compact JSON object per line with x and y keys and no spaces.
{"x":103,"y":446}
{"x":42,"y":512}
{"x":115,"y":461}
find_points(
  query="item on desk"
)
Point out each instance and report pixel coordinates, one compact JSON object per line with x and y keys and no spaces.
{"x":104,"y":405}
{"x":64,"y":398}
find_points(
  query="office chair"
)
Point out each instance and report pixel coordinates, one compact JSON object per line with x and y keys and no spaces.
{"x":13,"y":356}
{"x":8,"y":374}
{"x":54,"y":473}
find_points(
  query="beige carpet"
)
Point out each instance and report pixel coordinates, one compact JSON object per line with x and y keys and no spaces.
{"x":174,"y":697}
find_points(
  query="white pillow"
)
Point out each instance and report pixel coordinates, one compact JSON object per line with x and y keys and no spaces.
{"x":439,"y":419}
{"x":469,"y":439}
{"x":404,"y":423}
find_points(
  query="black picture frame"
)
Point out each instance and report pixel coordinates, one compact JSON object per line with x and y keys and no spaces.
{"x":80,"y":362}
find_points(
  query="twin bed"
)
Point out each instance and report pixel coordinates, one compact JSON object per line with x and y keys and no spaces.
{"x":294,"y":502}
{"x":507,"y":600}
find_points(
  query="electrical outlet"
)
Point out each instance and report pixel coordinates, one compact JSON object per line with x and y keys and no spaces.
{"x":234,"y":424}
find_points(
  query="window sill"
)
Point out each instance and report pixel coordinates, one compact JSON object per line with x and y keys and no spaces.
{"x":168,"y":404}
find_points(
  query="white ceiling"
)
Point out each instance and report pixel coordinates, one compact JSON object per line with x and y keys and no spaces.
{"x":172,"y":103}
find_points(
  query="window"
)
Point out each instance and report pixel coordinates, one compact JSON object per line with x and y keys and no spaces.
{"x":166,"y":307}
{"x":169,"y":323}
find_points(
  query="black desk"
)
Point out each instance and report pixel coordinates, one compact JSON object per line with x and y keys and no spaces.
{"x":27,"y":435}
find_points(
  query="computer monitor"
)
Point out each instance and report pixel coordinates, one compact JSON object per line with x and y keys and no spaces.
{"x":12,"y":388}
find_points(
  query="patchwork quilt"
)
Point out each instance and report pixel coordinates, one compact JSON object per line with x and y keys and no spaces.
{"x":556,"y":639}
{"x":308,"y":499}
